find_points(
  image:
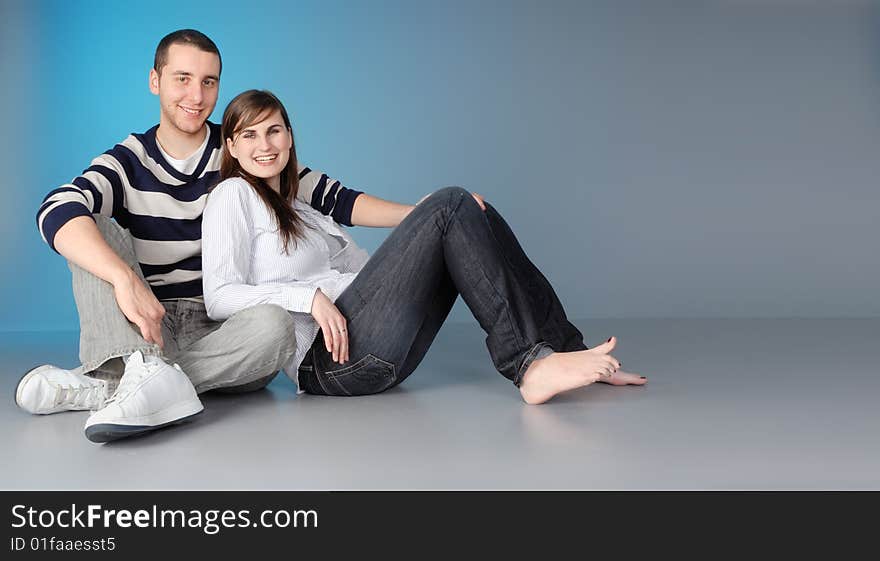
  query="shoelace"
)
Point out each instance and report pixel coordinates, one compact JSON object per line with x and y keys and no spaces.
{"x":128,"y":382}
{"x":79,"y":396}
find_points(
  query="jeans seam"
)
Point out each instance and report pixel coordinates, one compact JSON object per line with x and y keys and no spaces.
{"x":316,"y":377}
{"x":527,"y":361}
{"x":332,"y":376}
{"x":357,"y":365}
{"x":452,"y":215}
{"x":322,"y":385}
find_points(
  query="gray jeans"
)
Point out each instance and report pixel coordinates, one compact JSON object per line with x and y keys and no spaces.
{"x":240,"y":354}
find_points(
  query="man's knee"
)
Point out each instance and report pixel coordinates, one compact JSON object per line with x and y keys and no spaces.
{"x":271,"y":325}
{"x":259,"y":341}
{"x":249,"y":386}
{"x":117,"y":238}
{"x":267,"y":318}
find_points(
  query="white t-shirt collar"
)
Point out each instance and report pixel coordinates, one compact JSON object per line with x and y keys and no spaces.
{"x":187,"y":165}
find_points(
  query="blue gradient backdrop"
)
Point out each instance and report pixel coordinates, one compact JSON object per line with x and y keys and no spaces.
{"x":658,"y":159}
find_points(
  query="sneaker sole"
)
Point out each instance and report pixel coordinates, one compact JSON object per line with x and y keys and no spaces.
{"x":177,"y":413}
{"x":108,"y":432}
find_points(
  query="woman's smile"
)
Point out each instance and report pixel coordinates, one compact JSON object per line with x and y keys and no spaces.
{"x":267,"y":160}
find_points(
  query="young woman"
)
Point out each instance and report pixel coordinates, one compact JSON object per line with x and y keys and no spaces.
{"x":363,"y":324}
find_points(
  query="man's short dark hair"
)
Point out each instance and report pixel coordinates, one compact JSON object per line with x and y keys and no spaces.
{"x":184,"y":37}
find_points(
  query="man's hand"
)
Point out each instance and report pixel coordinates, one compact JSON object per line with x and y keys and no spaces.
{"x":80,"y":241}
{"x":140,"y":306}
{"x":333,"y":326}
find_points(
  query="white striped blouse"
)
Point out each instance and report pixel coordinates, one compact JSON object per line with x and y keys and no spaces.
{"x":243,"y":262}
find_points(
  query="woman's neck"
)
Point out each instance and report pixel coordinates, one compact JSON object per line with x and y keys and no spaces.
{"x":274,"y":183}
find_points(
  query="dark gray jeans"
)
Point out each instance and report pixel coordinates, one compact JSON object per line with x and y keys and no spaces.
{"x":446,"y":246}
{"x":240,"y":354}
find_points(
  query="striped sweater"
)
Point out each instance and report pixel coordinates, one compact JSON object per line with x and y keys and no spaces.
{"x":162,"y":208}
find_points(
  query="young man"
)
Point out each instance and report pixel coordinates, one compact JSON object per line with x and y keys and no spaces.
{"x":137,"y":280}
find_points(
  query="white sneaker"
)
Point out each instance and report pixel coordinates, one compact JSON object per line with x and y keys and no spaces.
{"x":151,"y":395}
{"x":48,"y":389}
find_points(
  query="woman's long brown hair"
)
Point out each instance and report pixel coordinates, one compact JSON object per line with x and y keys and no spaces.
{"x":246,"y":109}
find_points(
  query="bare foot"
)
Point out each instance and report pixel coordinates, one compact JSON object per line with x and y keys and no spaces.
{"x":562,"y":372}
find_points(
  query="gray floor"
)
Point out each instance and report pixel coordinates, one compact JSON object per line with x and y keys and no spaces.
{"x":731,"y":404}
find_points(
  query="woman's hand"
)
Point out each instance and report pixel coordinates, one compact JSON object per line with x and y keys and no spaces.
{"x":333,"y":326}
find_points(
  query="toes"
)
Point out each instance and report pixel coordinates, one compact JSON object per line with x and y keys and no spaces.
{"x":626,"y":378}
{"x":605,"y":347}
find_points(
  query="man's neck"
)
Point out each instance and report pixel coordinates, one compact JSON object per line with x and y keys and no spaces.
{"x":177,"y":144}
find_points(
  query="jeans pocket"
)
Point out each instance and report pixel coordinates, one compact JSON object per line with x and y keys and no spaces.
{"x":367,"y":376}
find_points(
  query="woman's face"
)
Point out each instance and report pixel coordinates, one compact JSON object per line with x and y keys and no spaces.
{"x":263,"y":149}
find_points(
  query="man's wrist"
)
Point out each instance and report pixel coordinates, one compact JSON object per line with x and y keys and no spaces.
{"x":121,"y":276}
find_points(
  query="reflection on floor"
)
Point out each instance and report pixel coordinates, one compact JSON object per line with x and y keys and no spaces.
{"x":730,"y":404}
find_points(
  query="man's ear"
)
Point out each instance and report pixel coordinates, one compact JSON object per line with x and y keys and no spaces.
{"x":154,"y":81}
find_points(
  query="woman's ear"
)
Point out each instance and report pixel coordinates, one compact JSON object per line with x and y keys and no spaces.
{"x":230,"y":147}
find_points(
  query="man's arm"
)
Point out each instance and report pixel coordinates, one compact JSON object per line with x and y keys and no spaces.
{"x":348,"y":206}
{"x":80,"y":242}
{"x":327,"y":196}
{"x":65,"y":222}
{"x":378,"y":213}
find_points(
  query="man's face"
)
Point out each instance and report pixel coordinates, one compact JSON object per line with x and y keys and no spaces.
{"x":187,"y":88}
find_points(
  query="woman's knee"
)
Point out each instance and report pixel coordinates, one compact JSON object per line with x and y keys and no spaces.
{"x":443,"y":201}
{"x":451,"y":194}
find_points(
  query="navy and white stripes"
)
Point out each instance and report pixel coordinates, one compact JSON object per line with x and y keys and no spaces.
{"x":162,"y":208}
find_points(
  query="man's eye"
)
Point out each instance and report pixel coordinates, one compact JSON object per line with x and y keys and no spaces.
{"x":209,"y":83}
{"x":181,"y":78}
